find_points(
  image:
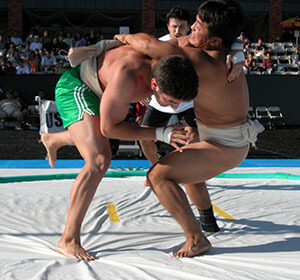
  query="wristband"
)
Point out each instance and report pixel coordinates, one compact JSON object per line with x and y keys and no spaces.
{"x":236,"y":46}
{"x":163,"y":134}
{"x":238,"y":57}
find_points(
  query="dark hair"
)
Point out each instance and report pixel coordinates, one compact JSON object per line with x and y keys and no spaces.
{"x":176,"y":76}
{"x":180,"y":13}
{"x":225,"y":19}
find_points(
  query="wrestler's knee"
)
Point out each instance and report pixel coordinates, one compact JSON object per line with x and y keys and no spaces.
{"x":99,"y":163}
{"x":155,"y":176}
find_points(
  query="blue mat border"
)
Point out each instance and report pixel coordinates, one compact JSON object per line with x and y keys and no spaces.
{"x":144,"y":164}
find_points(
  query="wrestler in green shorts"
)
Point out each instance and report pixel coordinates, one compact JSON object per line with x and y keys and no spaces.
{"x":73,"y":98}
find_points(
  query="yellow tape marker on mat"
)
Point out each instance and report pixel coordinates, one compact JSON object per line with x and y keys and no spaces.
{"x":112,"y":213}
{"x":222,"y":213}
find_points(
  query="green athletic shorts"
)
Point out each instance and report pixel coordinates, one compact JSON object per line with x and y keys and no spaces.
{"x":73,"y":98}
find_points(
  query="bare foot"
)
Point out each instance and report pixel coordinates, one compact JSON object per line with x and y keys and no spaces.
{"x":193,"y":248}
{"x":50,"y":148}
{"x":74,"y":251}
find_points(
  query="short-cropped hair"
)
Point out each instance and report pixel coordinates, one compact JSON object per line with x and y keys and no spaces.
{"x":176,"y":76}
{"x":180,"y":13}
{"x":225,"y":19}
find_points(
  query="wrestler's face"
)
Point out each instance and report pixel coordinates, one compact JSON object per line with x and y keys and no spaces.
{"x":164,"y":99}
{"x":178,"y":28}
{"x":199,"y":35}
{"x":167,"y":100}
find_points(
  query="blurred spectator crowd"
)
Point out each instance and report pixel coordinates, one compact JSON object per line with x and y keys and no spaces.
{"x":18,"y":114}
{"x":263,"y":58}
{"x":47,"y":52}
{"x":41,"y":53}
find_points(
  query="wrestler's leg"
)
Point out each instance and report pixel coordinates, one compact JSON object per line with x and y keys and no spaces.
{"x":197,"y":163}
{"x":199,"y":195}
{"x":152,"y":118}
{"x":54,"y":141}
{"x":175,"y":201}
{"x":95,"y":150}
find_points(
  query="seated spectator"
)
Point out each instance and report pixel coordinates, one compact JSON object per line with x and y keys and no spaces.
{"x":15,"y":38}
{"x":248,"y":63}
{"x":80,"y":40}
{"x":244,"y":39}
{"x":12,"y":55}
{"x":254,"y":66}
{"x":22,"y":68}
{"x":68,"y":39}
{"x":9,"y":68}
{"x":36,"y":44}
{"x":295,"y":58}
{"x":30,"y":38}
{"x":260,"y":49}
{"x":45,"y":38}
{"x":34,"y":62}
{"x":3,"y":43}
{"x":11,"y":108}
{"x":268,"y":64}
{"x":248,"y":47}
{"x":48,"y":62}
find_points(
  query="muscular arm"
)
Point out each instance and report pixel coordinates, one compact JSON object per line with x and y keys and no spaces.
{"x":125,"y":87}
{"x":149,"y":45}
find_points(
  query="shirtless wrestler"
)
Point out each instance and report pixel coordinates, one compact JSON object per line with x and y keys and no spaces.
{"x":221,"y":111}
{"x":93,"y":99}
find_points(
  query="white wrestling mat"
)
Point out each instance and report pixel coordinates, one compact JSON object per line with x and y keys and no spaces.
{"x":258,"y":217}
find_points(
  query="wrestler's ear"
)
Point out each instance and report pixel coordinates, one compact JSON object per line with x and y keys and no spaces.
{"x":154,"y":85}
{"x":215,"y":42}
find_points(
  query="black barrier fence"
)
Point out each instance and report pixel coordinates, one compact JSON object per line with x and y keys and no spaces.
{"x":265,"y":90}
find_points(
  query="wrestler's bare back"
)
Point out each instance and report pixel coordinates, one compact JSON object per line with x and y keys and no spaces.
{"x":218,"y":103}
{"x":125,"y":59}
